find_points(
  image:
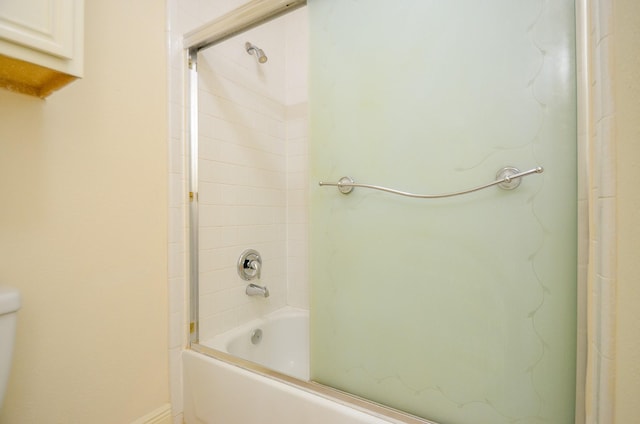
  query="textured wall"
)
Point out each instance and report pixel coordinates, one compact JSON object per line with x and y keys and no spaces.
{"x":83,"y":228}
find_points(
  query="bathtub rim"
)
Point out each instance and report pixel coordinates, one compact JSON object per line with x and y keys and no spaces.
{"x":214,"y":351}
{"x":346,"y":399}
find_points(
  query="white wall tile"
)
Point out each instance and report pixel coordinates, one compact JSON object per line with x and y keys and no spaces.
{"x":176,"y":190}
{"x":175,"y":333}
{"x":176,"y":156}
{"x":176,"y":296}
{"x":175,"y":374}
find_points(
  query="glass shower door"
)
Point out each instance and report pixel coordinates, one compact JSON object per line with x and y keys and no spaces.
{"x":459,"y":310}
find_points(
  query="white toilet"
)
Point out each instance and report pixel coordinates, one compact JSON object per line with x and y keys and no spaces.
{"x":9,"y":305}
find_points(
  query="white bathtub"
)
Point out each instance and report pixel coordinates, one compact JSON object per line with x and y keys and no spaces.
{"x":224,"y":391}
{"x":283,"y":345}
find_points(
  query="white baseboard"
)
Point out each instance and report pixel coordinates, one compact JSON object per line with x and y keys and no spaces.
{"x":161,"y":415}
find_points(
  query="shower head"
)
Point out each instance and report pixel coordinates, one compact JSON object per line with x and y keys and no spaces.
{"x":251,"y":49}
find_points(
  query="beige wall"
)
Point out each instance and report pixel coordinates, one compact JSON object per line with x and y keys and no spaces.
{"x":627,"y":92}
{"x":83,"y":196}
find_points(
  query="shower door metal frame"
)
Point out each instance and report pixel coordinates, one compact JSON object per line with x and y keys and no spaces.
{"x":257,"y":12}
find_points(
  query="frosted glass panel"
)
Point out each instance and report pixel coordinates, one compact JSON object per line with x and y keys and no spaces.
{"x":459,"y":310}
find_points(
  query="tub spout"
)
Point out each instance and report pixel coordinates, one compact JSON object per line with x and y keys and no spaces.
{"x":256,"y":290}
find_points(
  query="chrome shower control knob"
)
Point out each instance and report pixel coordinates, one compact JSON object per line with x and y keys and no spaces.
{"x":249,"y":265}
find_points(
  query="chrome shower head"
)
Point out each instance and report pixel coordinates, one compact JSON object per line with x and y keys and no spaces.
{"x":251,"y":49}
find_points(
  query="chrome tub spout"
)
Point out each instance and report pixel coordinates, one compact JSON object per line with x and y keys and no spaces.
{"x":256,"y":290}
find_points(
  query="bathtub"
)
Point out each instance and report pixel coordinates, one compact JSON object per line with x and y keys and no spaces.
{"x":279,"y":341}
{"x":230,"y":380}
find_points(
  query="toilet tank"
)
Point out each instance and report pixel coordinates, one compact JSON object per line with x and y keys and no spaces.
{"x":9,"y":305}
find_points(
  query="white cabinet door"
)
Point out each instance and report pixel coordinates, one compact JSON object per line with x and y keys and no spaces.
{"x":44,"y":25}
{"x":41,"y":44}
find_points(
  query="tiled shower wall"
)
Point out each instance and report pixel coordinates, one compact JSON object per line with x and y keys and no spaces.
{"x":252,"y":149}
{"x":253,"y":172}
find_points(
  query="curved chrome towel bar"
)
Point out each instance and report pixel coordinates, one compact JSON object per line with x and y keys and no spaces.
{"x":507,"y":178}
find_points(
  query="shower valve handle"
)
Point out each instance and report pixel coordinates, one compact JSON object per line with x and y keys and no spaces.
{"x":249,"y":265}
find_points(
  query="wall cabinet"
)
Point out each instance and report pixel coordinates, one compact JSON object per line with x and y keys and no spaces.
{"x":41,"y":44}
